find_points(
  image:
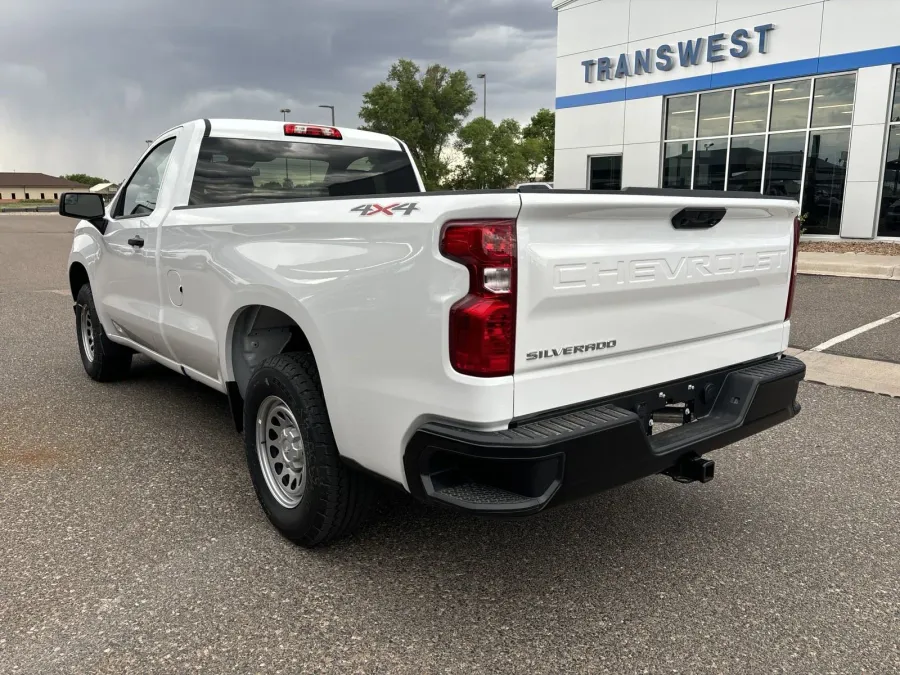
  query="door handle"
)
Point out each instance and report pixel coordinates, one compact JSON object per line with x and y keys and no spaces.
{"x":136,"y":241}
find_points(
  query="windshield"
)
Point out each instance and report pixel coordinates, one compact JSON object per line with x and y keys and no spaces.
{"x":236,"y":171}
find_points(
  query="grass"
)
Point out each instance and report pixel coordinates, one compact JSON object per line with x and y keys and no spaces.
{"x":29,"y":203}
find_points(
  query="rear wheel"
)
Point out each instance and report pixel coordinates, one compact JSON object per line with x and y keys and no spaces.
{"x":103,"y":359}
{"x":302,"y":484}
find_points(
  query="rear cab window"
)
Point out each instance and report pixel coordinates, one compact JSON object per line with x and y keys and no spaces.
{"x":242,"y":171}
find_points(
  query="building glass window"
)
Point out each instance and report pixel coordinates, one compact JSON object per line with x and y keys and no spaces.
{"x":711,"y":160}
{"x":27,"y":196}
{"x":42,"y":195}
{"x":746,"y":165}
{"x":788,"y":138}
{"x":606,"y":172}
{"x":751,"y":107}
{"x":790,"y":105}
{"x":677,"y":165}
{"x":895,"y":108}
{"x":889,"y":219}
{"x":13,"y":195}
{"x":826,"y":171}
{"x":833,"y":101}
{"x":784,"y":165}
{"x":680,"y":117}
{"x":715,"y":113}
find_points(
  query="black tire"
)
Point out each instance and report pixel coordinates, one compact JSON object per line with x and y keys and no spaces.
{"x":335,"y":498}
{"x":104,"y":360}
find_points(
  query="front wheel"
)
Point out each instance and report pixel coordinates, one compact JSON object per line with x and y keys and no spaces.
{"x":102,"y":359}
{"x":302,"y":484}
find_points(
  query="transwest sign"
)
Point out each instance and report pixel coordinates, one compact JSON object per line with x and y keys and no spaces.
{"x":710,"y":49}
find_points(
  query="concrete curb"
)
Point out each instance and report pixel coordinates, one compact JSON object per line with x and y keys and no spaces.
{"x":877,"y":377}
{"x":849,"y":265}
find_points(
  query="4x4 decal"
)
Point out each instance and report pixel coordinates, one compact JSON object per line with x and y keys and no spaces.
{"x":390,"y":210}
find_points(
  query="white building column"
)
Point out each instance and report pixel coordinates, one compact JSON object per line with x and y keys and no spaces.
{"x":643,"y":135}
{"x":865,"y":163}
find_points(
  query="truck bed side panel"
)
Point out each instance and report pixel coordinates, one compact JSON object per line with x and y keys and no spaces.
{"x":371,"y":292}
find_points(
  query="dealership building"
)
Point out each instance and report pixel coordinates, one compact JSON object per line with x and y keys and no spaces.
{"x":798,"y":98}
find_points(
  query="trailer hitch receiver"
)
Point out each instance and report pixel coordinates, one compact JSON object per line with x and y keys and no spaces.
{"x":693,"y":469}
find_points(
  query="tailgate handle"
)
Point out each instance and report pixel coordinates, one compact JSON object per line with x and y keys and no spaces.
{"x":697,"y":219}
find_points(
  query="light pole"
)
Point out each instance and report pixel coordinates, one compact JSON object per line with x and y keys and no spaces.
{"x":284,"y":113}
{"x":148,"y":143}
{"x":483,"y":76}
{"x":330,"y":107}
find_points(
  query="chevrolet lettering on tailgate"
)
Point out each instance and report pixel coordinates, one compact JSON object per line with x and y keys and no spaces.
{"x":580,"y":275}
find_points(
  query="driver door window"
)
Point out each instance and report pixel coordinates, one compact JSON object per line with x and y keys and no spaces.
{"x":139,"y":196}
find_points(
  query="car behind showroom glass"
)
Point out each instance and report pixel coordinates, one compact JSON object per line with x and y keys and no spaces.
{"x":889,"y":220}
{"x":786,"y":138}
{"x":241,"y":171}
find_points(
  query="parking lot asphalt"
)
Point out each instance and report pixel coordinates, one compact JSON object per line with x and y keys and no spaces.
{"x":132,"y":542}
{"x":33,"y":252}
{"x":881,"y":344}
{"x":826,"y":307}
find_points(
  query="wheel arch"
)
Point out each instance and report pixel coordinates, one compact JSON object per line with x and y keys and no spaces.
{"x":78,"y":277}
{"x":256,"y":332}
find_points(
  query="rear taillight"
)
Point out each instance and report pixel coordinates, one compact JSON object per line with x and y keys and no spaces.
{"x":483,"y":324}
{"x":793,"y":281}
{"x":313,"y":131}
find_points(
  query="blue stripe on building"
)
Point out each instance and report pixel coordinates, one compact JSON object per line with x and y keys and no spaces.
{"x":735,"y":78}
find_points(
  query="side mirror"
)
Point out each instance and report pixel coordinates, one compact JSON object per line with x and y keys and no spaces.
{"x":81,"y":205}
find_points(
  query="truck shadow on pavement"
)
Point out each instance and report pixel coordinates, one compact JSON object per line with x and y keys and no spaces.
{"x":619,"y":535}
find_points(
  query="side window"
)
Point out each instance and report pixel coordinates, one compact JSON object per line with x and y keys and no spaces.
{"x":139,"y":195}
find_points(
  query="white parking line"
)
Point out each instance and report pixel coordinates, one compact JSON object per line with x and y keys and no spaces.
{"x":853,"y":333}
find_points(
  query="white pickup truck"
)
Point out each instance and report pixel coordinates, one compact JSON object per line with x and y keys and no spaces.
{"x":499,"y":352}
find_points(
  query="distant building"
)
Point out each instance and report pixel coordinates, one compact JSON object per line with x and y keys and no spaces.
{"x":106,"y":190}
{"x":19,"y":186}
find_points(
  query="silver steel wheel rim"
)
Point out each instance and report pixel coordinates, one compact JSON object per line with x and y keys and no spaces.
{"x":279,"y":448}
{"x":87,"y":333}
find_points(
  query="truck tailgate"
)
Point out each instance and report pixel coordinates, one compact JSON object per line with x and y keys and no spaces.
{"x":612,"y":296}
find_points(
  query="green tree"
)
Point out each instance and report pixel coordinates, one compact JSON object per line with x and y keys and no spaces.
{"x":84,"y":179}
{"x":493,"y":155}
{"x":424,"y":110}
{"x":534,"y":155}
{"x":474,"y":144}
{"x":512,"y":166}
{"x":543,"y":129}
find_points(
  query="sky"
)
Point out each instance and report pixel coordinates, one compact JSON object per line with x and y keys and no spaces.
{"x":84,"y":84}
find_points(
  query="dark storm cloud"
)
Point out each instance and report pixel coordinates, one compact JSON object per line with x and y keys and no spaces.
{"x":80,"y":89}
